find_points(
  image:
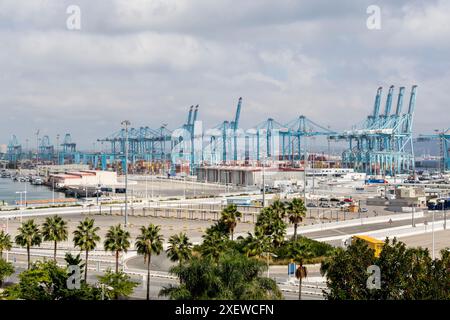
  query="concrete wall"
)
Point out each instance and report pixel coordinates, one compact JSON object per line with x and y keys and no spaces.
{"x":88,"y":178}
{"x":246,"y":176}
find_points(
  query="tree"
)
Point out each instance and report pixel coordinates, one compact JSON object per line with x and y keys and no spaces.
{"x":230,"y":216}
{"x":279,"y":208}
{"x":47,"y":281}
{"x":117,"y":240}
{"x":119,"y":282}
{"x":233,"y":277}
{"x":5,"y":242}
{"x":74,"y":260}
{"x":54,"y":229}
{"x":299,"y":252}
{"x":300,"y":273}
{"x":256,"y":244}
{"x":149,"y":242}
{"x":406,"y":273}
{"x":272,"y":225}
{"x":6,"y":269}
{"x":296,"y":212}
{"x":85,"y":237}
{"x":28,"y":236}
{"x":346,"y":272}
{"x":180,"y":248}
{"x":214,"y":245}
{"x":411,"y":273}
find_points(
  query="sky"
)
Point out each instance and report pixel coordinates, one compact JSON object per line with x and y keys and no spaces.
{"x":147,"y":61}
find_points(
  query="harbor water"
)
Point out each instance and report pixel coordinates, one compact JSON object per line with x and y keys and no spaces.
{"x":8,"y":189}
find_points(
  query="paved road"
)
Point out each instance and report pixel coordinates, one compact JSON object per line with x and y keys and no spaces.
{"x":317,"y":235}
{"x":442,"y":240}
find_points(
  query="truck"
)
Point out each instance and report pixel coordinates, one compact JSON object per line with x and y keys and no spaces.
{"x":372,"y":243}
{"x":375,"y":181}
{"x":239,"y":201}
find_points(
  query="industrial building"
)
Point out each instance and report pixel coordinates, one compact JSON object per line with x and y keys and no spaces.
{"x":83,"y":178}
{"x":403,"y":198}
{"x":248,"y":176}
{"x":46,"y":170}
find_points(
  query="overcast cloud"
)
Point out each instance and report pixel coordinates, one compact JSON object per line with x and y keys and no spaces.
{"x":148,"y":61}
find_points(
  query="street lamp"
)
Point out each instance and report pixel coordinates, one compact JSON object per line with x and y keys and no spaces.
{"x":37,"y":148}
{"x":21,"y":204}
{"x":126,"y":123}
{"x":432,"y":231}
{"x":445,"y":213}
{"x":264,"y":182}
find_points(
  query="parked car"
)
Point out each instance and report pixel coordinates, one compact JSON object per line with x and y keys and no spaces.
{"x":311,"y":205}
{"x":364,"y":209}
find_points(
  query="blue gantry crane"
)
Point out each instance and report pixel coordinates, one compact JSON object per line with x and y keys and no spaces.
{"x":382,"y":144}
{"x":443,"y":136}
{"x":46,"y":149}
{"x":14,"y":149}
{"x":69,"y":153}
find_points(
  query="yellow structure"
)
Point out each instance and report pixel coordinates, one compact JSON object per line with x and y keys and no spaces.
{"x":372,"y":243}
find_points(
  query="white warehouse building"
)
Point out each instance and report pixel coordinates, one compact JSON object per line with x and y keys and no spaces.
{"x":83,"y":178}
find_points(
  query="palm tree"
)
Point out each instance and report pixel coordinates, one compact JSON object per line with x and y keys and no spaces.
{"x":230,"y":216}
{"x":86,"y":238}
{"x":300,"y":273}
{"x":149,"y":242}
{"x":296,"y":211}
{"x":213,"y":246}
{"x":5,"y":242}
{"x":54,"y":229}
{"x":28,"y":236}
{"x":117,"y":240}
{"x":272,"y":225}
{"x":74,"y":260}
{"x":279,"y":208}
{"x":257,"y":243}
{"x":300,"y":252}
{"x":180,"y":248}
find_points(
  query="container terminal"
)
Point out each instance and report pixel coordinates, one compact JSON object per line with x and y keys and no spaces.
{"x":182,"y":178}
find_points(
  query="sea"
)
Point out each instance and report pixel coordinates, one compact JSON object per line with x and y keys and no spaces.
{"x":9,"y":187}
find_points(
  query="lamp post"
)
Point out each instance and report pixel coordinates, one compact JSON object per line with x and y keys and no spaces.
{"x":151,"y":183}
{"x":21,"y":204}
{"x":432,"y":231}
{"x":184,"y":187}
{"x":7,"y":231}
{"x":146,"y":187}
{"x":37,"y":148}
{"x":57,"y":148}
{"x":264,"y":187}
{"x":126,"y":123}
{"x":445,"y":213}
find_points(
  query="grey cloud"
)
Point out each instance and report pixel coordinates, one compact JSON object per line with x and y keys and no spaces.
{"x":150,"y":60}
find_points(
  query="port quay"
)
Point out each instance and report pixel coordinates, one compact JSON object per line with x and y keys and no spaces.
{"x":204,"y":159}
